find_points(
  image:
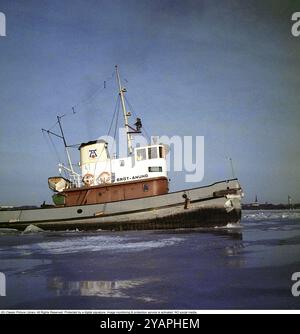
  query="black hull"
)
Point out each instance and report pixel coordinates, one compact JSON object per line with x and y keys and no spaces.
{"x":210,"y":217}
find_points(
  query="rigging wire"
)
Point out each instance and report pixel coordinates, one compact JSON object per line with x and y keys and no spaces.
{"x":115,"y":134}
{"x":93,"y":94}
{"x":54,"y":148}
{"x":53,"y":126}
{"x":52,"y":145}
{"x":116,"y":112}
{"x":111,"y":153}
{"x":117,"y":119}
{"x":135,"y":115}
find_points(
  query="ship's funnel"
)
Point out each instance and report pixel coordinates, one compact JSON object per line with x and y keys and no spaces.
{"x":93,"y":152}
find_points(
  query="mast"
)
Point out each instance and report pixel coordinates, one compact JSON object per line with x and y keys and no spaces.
{"x":231,"y":166}
{"x":65,"y":144}
{"x":232,"y":169}
{"x":125,"y":114}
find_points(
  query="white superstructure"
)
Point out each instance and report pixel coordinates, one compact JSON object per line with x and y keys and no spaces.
{"x":98,"y":168}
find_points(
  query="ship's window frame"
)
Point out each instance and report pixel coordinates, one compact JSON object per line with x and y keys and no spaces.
{"x":152,"y":152}
{"x":161,"y":152}
{"x":155,"y":169}
{"x":141,"y":154}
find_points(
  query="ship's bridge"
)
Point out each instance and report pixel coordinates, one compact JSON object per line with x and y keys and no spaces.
{"x":98,"y":168}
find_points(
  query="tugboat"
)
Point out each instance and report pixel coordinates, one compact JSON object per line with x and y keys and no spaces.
{"x":126,"y":193}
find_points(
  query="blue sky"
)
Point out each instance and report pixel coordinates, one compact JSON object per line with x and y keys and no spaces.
{"x":225,"y":70}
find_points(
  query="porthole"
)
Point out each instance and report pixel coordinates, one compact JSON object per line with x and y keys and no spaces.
{"x":79,"y":211}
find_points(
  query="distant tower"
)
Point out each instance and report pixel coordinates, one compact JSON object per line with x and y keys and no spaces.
{"x":290,"y":202}
{"x":256,"y":202}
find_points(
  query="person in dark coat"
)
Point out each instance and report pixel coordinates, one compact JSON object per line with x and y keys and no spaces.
{"x":138,"y":124}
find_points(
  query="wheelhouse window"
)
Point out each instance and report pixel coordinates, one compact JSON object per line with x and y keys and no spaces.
{"x":141,"y":154}
{"x":161,"y":152}
{"x":156,"y":169}
{"x":152,"y":152}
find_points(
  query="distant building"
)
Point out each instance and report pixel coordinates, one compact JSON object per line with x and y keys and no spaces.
{"x":255,"y":204}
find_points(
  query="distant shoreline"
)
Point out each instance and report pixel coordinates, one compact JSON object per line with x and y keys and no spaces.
{"x":269,"y":206}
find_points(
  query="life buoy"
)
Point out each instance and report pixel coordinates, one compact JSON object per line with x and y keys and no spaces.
{"x":88,"y":179}
{"x":104,"y":177}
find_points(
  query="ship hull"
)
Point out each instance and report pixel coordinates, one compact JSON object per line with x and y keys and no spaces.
{"x":214,"y":205}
